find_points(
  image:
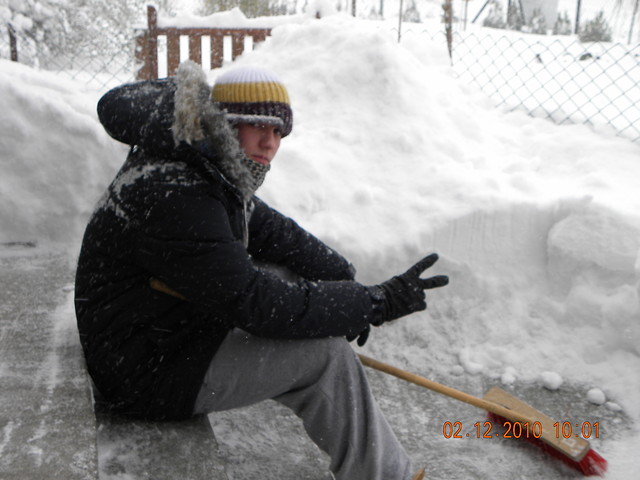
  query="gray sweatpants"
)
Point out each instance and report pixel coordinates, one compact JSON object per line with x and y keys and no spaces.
{"x":322,"y":382}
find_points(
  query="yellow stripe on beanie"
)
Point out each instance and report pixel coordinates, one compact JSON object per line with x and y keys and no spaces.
{"x":250,"y":92}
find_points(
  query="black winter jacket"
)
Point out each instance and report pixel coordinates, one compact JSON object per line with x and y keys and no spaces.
{"x":180,"y":210}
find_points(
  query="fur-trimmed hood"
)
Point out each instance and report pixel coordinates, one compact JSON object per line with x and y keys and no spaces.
{"x":177,"y":113}
{"x":198,"y":121}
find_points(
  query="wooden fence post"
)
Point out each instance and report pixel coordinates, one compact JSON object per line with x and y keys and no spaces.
{"x":195,"y":48}
{"x":237,"y":45}
{"x":217,"y":49}
{"x":147,"y":48}
{"x":152,"y":53}
{"x":173,"y":52}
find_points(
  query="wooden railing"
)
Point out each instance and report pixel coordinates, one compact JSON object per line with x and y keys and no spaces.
{"x":147,"y":44}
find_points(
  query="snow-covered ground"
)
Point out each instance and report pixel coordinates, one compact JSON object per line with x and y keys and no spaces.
{"x":537,"y":225}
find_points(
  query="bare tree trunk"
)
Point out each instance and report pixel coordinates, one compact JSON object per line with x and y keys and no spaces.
{"x":447,"y":8}
{"x":633,"y":20}
{"x":400,"y":23}
{"x":577,"y":26}
{"x":13,"y":43}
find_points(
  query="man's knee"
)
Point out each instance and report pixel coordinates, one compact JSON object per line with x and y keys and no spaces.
{"x":333,"y":356}
{"x":333,"y":349}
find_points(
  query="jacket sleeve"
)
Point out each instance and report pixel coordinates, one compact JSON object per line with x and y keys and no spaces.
{"x":278,"y":239}
{"x":188,"y":244}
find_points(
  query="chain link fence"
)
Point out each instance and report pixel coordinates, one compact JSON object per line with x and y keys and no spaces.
{"x":99,"y":67}
{"x":555,"y":77}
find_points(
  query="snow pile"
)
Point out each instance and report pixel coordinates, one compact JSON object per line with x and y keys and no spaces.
{"x":391,"y":158}
{"x":55,"y":156}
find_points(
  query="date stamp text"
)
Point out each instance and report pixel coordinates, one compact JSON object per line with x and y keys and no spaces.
{"x":490,"y":429}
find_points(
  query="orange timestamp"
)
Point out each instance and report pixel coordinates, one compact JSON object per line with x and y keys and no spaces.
{"x":520,"y":430}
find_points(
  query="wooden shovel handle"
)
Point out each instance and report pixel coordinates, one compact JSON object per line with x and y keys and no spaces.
{"x":444,"y":390}
{"x":160,"y":286}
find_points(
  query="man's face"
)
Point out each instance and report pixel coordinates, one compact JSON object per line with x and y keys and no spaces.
{"x":259,"y":141}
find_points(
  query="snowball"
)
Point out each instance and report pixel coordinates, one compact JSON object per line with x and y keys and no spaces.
{"x":596,"y":396}
{"x":509,"y":376}
{"x":469,"y":365}
{"x":614,"y":407}
{"x":551,"y":380}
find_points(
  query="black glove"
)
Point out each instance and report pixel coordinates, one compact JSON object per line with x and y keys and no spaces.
{"x":404,"y":294}
{"x":362,"y":337}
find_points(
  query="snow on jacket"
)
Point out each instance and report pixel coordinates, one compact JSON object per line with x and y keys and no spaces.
{"x":181,"y":210}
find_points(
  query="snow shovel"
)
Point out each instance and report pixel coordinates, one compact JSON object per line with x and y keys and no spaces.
{"x":533,"y":426}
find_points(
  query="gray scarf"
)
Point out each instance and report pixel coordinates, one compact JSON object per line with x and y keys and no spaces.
{"x":258,"y":172}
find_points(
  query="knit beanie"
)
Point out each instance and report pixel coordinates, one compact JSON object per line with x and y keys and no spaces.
{"x":254,"y":95}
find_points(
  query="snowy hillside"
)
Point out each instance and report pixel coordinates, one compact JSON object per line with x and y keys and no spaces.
{"x":391,"y":158}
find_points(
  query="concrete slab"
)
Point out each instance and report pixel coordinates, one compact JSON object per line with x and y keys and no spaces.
{"x":158,"y":450}
{"x":47,"y":425}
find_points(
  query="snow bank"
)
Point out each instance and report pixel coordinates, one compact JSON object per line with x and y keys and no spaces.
{"x":55,"y":156}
